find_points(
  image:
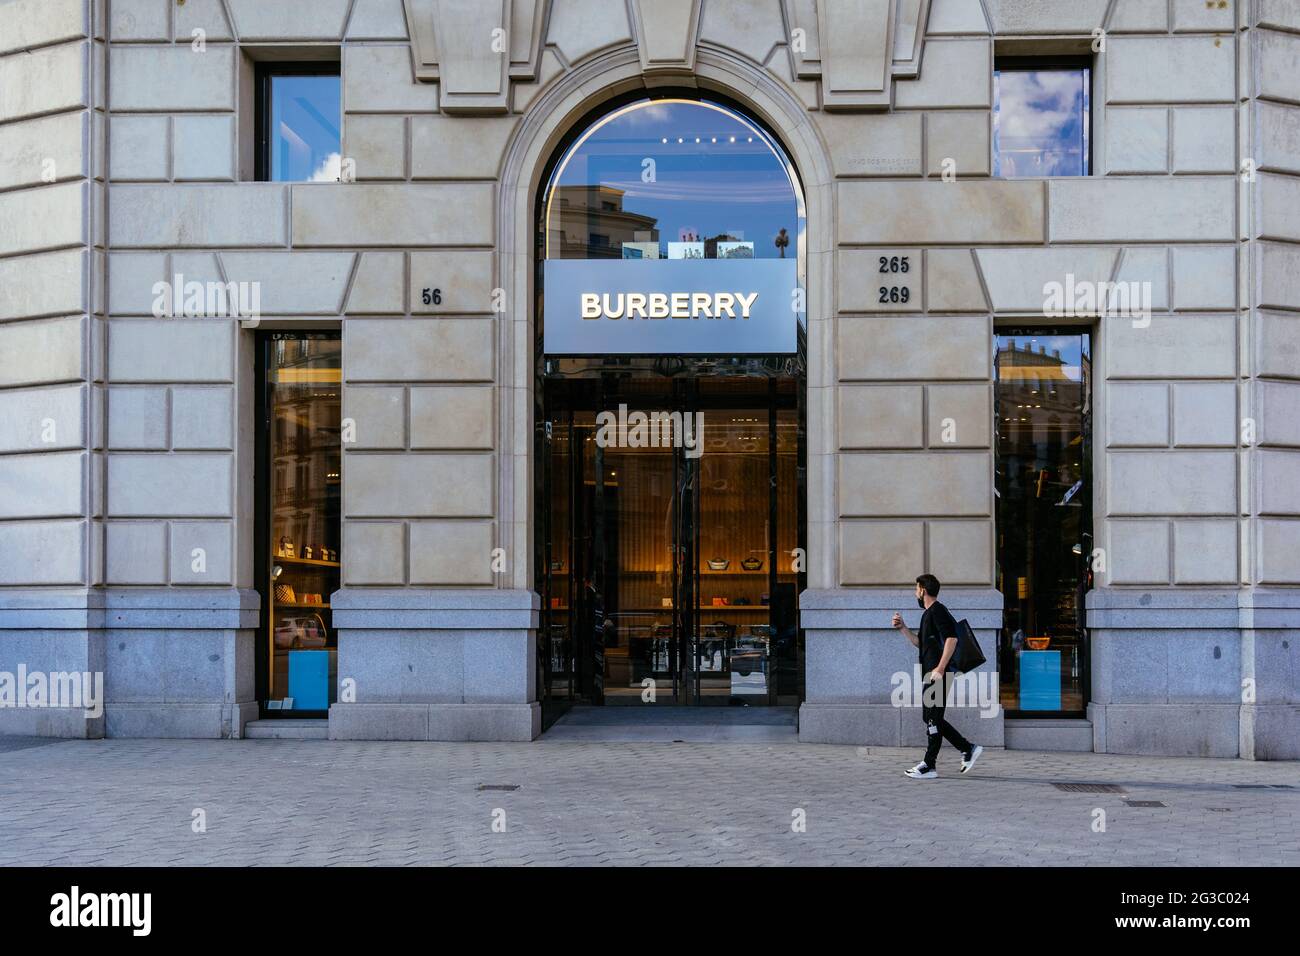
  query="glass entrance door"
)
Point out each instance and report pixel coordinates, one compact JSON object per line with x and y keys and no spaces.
{"x":670,"y":551}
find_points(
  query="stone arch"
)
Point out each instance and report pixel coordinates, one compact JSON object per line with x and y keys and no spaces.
{"x":539,"y":133}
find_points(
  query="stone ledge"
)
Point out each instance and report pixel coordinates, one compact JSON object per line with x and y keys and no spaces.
{"x":208,"y":720}
{"x":1166,"y":730}
{"x":454,"y":722}
{"x":94,"y":609}
{"x":884,"y":725}
{"x":1270,"y":731}
{"x":434,"y":609}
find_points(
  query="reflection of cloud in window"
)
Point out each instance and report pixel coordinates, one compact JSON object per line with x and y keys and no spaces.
{"x":1040,"y":122}
{"x":328,"y":171}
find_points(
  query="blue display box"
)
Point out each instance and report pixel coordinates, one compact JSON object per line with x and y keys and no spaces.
{"x":1040,"y":680}
{"x":309,"y":679}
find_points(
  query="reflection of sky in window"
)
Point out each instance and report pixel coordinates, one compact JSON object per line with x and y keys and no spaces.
{"x":713,"y":176}
{"x":1040,"y":122}
{"x":304,"y":140}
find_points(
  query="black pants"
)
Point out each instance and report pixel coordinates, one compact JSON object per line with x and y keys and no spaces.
{"x":937,"y":730}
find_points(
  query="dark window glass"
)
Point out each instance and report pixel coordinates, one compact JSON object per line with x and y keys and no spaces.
{"x":1044,"y":518}
{"x":301,"y":111}
{"x":1041,"y":120}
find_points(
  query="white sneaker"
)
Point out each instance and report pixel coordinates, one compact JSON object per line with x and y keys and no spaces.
{"x":921,"y":772}
{"x":968,"y":761}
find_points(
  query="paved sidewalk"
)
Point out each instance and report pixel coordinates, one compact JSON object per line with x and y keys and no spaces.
{"x":127,"y":802}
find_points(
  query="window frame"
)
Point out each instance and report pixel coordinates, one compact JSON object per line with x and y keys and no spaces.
{"x":264,"y":73}
{"x":1026,"y":62}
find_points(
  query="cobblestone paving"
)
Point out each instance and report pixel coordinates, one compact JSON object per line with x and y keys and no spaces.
{"x":129,"y":802}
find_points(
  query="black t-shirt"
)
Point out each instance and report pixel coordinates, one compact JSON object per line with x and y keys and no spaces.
{"x":937,"y":625}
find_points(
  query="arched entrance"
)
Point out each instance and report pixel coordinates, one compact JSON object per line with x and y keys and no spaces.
{"x":671,"y":338}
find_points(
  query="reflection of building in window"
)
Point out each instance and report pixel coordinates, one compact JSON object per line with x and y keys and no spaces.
{"x":593,"y":224}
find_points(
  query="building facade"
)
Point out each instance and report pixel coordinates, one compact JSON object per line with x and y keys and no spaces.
{"x":331,"y":383}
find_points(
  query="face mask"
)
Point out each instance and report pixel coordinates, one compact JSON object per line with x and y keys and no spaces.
{"x":920,"y":602}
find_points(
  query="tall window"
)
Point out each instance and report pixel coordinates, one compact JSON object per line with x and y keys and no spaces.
{"x":1044,"y":518}
{"x":1041,"y":121}
{"x":299,"y":114}
{"x":299,"y":482}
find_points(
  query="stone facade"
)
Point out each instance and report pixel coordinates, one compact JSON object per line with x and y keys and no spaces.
{"x":126,"y":156}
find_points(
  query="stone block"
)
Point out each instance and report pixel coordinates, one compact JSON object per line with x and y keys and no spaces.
{"x":427,"y":214}
{"x":956,"y":17}
{"x":1173,"y":209}
{"x":44,"y":285}
{"x":135,"y":552}
{"x":39,"y":219}
{"x":31,"y":23}
{"x":1140,"y":16}
{"x":206,"y":15}
{"x":377,"y":20}
{"x":374,"y":552}
{"x":1277,"y":407}
{"x":379,"y":79}
{"x":872,"y":144}
{"x":171,"y":350}
{"x":42,"y":553}
{"x":378,"y":285}
{"x":880,"y":552}
{"x":884,"y":349}
{"x":45,"y":485}
{"x":956,"y":73}
{"x":1045,"y":16}
{"x":1137,"y":140}
{"x":289,"y":19}
{"x":902,"y":485}
{"x":936,"y":212}
{"x":377,"y":144}
{"x":1199,"y":16}
{"x":175,"y":216}
{"x":293,"y":283}
{"x":581,"y":28}
{"x":200,"y":552}
{"x":864,"y":280}
{"x":1204,"y":139}
{"x":1185,"y":730}
{"x":45,"y":150}
{"x":47,"y":80}
{"x":418,"y":350}
{"x":880,"y":416}
{"x":203,"y":148}
{"x":452,"y":417}
{"x":1169,"y":70}
{"x":1174,"y":346}
{"x":202,"y":419}
{"x":379,"y":416}
{"x":963,"y":139}
{"x":1137,"y":552}
{"x":1148,"y":266}
{"x":458,"y":147}
{"x":45,"y":419}
{"x":952,"y":284}
{"x":171,"y":78}
{"x":1137,"y":415}
{"x":463,"y":280}
{"x":137,"y":419}
{"x":958,"y":416}
{"x":1205,"y":413}
{"x":131,"y":280}
{"x":1279,"y":275}
{"x":1279,"y":552}
{"x":961,"y":552}
{"x":1205,"y":552}
{"x":137,"y":148}
{"x":1279,"y":345}
{"x":1278,"y":209}
{"x":1020,"y":280}
{"x":1279,"y":482}
{"x":138,"y":20}
{"x":1277,"y":143}
{"x":451,"y":552}
{"x":1276,"y":55}
{"x":418,"y":486}
{"x":1205,"y":277}
{"x":42,"y":352}
{"x":1172,"y":483}
{"x":167,"y":486}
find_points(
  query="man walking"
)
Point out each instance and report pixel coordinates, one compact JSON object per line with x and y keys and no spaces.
{"x":935,"y":646}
